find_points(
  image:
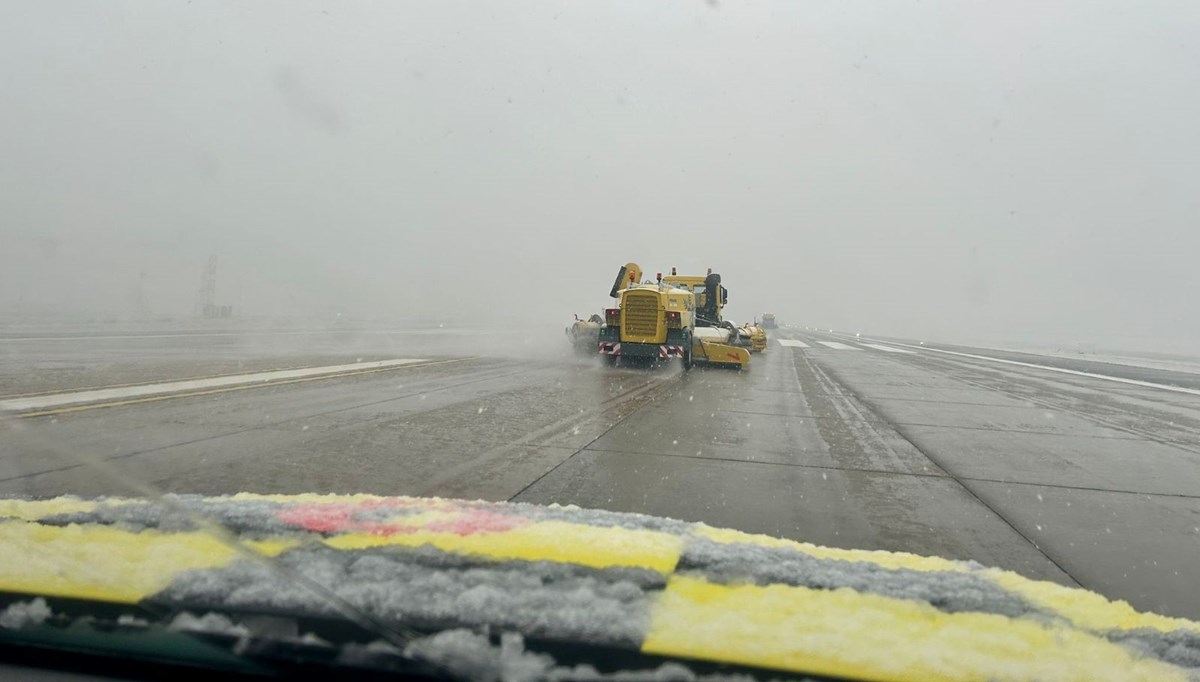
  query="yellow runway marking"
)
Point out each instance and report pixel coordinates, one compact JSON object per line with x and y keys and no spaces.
{"x":559,"y":541}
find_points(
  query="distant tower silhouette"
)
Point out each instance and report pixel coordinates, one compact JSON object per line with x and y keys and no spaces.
{"x":205,"y":307}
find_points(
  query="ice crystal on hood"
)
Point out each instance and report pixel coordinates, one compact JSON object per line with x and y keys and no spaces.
{"x":25,"y":614}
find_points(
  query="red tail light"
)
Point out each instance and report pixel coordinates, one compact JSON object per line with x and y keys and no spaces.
{"x":612,"y":316}
{"x":674,"y":320}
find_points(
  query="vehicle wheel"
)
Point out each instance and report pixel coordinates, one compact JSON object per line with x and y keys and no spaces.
{"x":687,"y":359}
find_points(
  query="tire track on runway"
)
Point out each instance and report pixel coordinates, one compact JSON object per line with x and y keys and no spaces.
{"x":651,"y":388}
{"x":849,"y":415}
{"x":981,"y":366}
{"x":954,"y":368}
{"x":832,"y":378}
{"x":1141,"y":434}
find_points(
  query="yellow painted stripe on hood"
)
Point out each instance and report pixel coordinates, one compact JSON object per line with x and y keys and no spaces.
{"x":1087,"y":609}
{"x":103,"y":562}
{"x":32,"y":510}
{"x":558,"y":541}
{"x":879,"y":558}
{"x":870,"y":637}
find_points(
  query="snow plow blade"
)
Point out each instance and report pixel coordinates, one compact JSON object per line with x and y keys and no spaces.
{"x":716,"y":353}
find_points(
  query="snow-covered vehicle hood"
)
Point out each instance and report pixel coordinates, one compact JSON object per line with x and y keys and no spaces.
{"x":497,"y":591}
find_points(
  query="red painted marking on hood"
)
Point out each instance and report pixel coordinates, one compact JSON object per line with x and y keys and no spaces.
{"x":345,"y":518}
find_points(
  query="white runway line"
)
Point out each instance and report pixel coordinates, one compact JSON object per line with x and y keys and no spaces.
{"x":837,"y":346}
{"x":1060,"y":370}
{"x":889,"y":349}
{"x":792,"y":344}
{"x":42,"y":402}
{"x":239,"y":334}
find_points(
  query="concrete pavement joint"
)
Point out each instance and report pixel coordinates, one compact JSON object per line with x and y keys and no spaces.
{"x":951,"y":402}
{"x":960,"y":480}
{"x":664,"y":384}
{"x":877,"y":422}
{"x":785,"y":416}
{"x":1020,"y":431}
{"x":556,"y":427}
{"x":759,"y":462}
{"x":889,"y":472}
{"x":1086,"y":488}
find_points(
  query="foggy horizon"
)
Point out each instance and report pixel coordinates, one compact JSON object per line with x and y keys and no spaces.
{"x":1014,"y":171}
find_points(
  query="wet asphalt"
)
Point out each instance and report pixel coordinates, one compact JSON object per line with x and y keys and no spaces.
{"x":1061,"y":477}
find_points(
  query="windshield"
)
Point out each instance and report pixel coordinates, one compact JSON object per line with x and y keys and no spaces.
{"x":343,"y":259}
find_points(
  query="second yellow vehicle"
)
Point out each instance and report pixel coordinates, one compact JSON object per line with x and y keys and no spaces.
{"x":757,"y":336}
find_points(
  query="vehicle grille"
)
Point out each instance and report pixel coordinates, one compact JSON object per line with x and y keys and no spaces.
{"x":641,"y":314}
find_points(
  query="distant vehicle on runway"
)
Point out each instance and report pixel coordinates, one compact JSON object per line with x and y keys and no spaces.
{"x":585,"y":334}
{"x":756,"y":334}
{"x":768,"y":321}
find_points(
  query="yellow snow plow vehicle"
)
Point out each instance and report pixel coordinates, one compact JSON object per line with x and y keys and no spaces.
{"x":757,"y":336}
{"x":672,"y":316}
{"x":583,"y":334}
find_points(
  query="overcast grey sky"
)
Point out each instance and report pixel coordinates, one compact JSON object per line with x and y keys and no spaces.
{"x":945,"y":169}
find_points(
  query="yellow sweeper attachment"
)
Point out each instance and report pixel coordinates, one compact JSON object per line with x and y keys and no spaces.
{"x":711,"y":345}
